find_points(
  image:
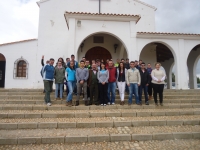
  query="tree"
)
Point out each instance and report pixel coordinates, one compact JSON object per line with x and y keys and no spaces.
{"x":198,"y":80}
{"x":173,"y":77}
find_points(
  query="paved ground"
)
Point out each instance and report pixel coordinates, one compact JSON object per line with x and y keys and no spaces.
{"x":148,"y":145}
{"x":97,"y":131}
{"x":98,"y":119}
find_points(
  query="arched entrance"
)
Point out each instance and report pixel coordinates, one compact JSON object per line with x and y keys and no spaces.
{"x":159,"y":52}
{"x":192,"y":63}
{"x":2,"y":70}
{"x":98,"y":53}
{"x":101,"y":46}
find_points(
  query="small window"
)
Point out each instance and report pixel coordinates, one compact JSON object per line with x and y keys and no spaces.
{"x":98,"y":39}
{"x":20,"y":69}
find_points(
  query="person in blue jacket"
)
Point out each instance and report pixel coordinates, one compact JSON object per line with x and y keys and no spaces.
{"x":48,"y":77}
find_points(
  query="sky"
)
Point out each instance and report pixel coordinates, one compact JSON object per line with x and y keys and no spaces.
{"x":19,"y":18}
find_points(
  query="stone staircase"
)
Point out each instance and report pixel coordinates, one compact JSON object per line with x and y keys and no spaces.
{"x":26,"y":120}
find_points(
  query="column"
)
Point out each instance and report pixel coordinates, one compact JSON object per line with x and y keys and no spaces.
{"x":181,"y":66}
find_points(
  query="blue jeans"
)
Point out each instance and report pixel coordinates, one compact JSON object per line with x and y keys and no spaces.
{"x":59,"y":86}
{"x":111,"y":89}
{"x":141,"y":87}
{"x":133,"y":89}
{"x":70,"y":85}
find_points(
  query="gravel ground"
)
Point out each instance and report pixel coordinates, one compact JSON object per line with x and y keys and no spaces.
{"x":99,"y":110}
{"x":97,"y":131}
{"x":95,"y":119}
{"x":134,"y":145}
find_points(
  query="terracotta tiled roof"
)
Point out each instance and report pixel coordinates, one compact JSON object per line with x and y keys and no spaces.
{"x":102,"y":14}
{"x":146,"y":4}
{"x":17,"y":42}
{"x":166,"y":33}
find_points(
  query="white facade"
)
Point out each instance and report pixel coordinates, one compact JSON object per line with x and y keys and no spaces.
{"x":121,"y":22}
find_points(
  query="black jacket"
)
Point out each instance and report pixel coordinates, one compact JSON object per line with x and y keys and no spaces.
{"x":145,"y":78}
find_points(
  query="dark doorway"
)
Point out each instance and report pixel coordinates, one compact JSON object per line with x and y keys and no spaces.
{"x":98,"y":53}
{"x":2,"y":70}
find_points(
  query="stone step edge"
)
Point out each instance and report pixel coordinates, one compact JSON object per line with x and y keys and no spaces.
{"x":116,"y":100}
{"x":52,"y":96}
{"x":99,"y":138}
{"x":96,"y":124}
{"x":151,"y":106}
{"x":96,"y":114}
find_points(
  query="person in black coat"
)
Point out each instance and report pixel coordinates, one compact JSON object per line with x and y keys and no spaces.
{"x":145,"y":81}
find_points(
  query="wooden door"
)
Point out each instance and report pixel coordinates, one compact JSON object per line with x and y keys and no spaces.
{"x":98,"y":53}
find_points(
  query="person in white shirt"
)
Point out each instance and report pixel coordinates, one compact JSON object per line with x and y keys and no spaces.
{"x":158,"y":77}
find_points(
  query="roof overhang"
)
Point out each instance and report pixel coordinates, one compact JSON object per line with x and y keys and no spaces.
{"x":101,"y":16}
{"x":165,"y":35}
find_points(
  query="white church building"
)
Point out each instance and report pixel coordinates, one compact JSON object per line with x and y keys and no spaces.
{"x":98,"y":29}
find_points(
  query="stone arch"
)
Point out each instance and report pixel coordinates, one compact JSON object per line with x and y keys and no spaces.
{"x":159,"y":51}
{"x":2,"y":70}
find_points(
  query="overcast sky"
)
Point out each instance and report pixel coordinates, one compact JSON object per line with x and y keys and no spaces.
{"x":19,"y":18}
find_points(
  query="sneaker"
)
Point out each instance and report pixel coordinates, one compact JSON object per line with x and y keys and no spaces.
{"x":101,"y":104}
{"x":48,"y":104}
{"x":147,"y":103}
{"x":113,"y":103}
{"x":104,"y":104}
{"x":108,"y":103}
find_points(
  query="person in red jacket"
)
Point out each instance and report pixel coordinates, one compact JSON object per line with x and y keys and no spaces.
{"x":111,"y":83}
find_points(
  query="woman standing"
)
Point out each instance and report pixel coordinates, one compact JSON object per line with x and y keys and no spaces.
{"x":70,"y":75}
{"x":103,"y":76}
{"x":158,"y":77}
{"x":121,"y":74}
{"x":62,"y":61}
{"x":59,"y":76}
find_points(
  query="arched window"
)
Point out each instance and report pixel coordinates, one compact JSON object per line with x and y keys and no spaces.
{"x":20,"y":69}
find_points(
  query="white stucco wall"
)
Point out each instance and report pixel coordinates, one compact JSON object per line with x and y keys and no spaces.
{"x":12,"y":52}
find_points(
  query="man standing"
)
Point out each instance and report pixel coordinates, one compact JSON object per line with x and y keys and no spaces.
{"x":73,"y":60}
{"x":48,"y":76}
{"x":93,"y":85}
{"x":133,"y":80}
{"x":127,"y":65}
{"x":87,"y":64}
{"x":149,"y":70}
{"x":111,"y":83}
{"x":136,"y":65}
{"x":117,"y":63}
{"x":81,"y":77}
{"x":145,"y":80}
{"x":67,"y":60}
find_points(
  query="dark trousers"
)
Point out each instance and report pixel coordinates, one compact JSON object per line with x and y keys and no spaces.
{"x":94,"y":92}
{"x":141,"y":87}
{"x":79,"y":89}
{"x":103,"y":90}
{"x":88,"y":92}
{"x":158,"y":89}
{"x":48,"y":88}
{"x":150,"y":89}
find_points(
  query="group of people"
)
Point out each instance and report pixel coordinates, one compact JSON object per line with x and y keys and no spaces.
{"x":100,"y":80}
